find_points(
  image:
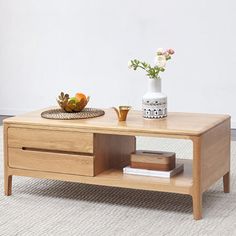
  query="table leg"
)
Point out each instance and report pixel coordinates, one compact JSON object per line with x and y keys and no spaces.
{"x":7,"y":177}
{"x":226,"y":182}
{"x":197,"y":193}
{"x":7,"y":185}
{"x":197,"y":206}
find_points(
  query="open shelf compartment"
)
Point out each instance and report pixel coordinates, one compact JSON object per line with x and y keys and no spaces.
{"x":180,"y":183}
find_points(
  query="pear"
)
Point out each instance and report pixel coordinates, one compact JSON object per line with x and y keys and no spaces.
{"x":73,"y":99}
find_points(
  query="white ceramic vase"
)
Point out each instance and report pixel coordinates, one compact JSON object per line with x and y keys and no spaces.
{"x":154,"y":101}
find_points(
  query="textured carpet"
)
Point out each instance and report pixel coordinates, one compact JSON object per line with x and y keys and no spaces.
{"x":46,"y":207}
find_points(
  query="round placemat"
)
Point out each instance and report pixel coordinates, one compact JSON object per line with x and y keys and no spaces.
{"x":59,"y":114}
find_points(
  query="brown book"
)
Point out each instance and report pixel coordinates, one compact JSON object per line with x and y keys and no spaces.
{"x":153,"y":160}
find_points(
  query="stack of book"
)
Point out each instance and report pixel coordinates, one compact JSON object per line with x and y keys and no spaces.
{"x":153,"y":163}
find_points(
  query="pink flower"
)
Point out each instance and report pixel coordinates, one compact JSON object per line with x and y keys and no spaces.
{"x":171,"y":51}
{"x":167,"y":55}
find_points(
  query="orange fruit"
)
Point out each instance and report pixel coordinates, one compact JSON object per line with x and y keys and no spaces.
{"x":80,"y":96}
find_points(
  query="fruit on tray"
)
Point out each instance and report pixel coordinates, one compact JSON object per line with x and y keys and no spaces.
{"x":73,"y":104}
{"x":80,"y":96}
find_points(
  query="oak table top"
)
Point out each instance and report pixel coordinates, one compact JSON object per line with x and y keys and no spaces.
{"x":176,"y":123}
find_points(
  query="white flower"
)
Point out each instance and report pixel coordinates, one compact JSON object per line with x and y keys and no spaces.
{"x":160,"y":61}
{"x":130,"y":64}
{"x":160,"y":51}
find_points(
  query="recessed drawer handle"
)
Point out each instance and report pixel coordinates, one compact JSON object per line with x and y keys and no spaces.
{"x":55,"y":151}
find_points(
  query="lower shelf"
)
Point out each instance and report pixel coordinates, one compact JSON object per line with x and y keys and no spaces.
{"x":180,"y":183}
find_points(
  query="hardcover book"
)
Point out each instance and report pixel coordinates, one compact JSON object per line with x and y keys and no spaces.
{"x":154,"y":173}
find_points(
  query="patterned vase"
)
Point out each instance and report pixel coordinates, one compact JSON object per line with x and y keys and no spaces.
{"x":154,"y":101}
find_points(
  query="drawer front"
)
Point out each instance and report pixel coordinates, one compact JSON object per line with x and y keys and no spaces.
{"x":51,"y":161}
{"x":50,"y":139}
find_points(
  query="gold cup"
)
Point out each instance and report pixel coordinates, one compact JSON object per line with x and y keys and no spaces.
{"x":122,"y":112}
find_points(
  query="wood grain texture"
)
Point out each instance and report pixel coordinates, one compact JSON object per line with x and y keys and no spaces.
{"x":215,"y":154}
{"x":197,"y":184}
{"x":101,"y":161}
{"x":53,"y":162}
{"x":120,"y":147}
{"x":181,"y":183}
{"x":45,"y":139}
{"x":7,"y":175}
{"x":152,"y":166}
{"x":115,"y":150}
{"x":176,"y":124}
{"x":226,"y":182}
{"x":111,"y":143}
{"x":211,"y":161}
{"x":157,"y":157}
{"x":153,"y":160}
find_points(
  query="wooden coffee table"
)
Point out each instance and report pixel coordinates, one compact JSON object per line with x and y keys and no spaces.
{"x":94,"y":151}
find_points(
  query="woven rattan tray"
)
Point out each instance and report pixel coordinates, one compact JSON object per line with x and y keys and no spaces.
{"x":59,"y":114}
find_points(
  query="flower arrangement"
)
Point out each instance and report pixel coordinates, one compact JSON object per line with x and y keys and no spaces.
{"x":160,"y":62}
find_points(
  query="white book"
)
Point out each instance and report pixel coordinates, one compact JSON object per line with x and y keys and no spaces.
{"x":155,"y":173}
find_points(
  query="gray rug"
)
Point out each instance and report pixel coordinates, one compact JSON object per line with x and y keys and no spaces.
{"x":46,"y":207}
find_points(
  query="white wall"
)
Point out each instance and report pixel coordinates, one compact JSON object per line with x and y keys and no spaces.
{"x":51,"y":45}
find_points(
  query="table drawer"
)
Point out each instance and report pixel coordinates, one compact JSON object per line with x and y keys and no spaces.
{"x":51,"y":161}
{"x":50,"y":139}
